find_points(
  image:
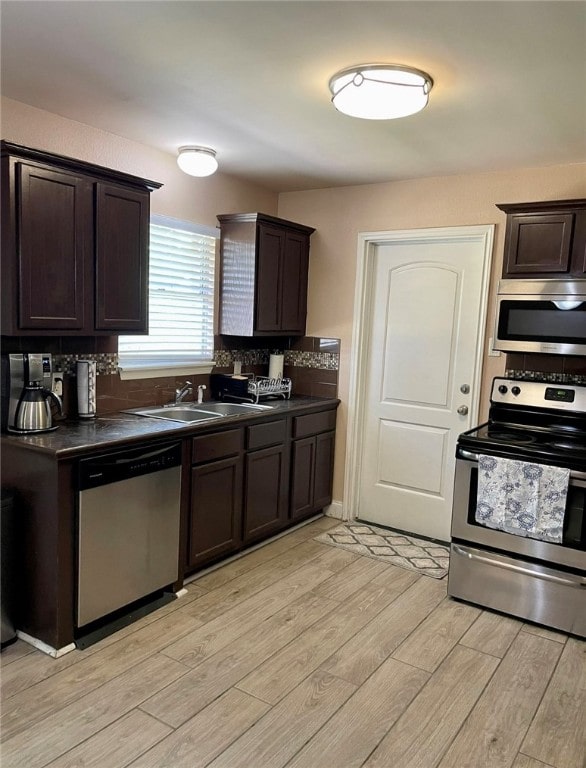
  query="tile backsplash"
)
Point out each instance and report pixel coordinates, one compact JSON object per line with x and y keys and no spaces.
{"x":311,"y":363}
{"x":107,"y":362}
{"x":568,"y":369}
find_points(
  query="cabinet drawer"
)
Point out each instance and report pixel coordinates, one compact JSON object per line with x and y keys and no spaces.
{"x":314,"y":423}
{"x":262,"y":435}
{"x":211,"y":447}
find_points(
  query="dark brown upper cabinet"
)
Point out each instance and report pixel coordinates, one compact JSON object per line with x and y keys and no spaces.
{"x":74,"y":246}
{"x":545,"y":239}
{"x":263,"y":275}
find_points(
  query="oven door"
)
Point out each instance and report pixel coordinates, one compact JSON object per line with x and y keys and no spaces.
{"x":570,"y":554}
{"x":532,"y":580}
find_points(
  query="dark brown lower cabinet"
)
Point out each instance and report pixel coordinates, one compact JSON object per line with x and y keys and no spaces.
{"x":302,"y":477}
{"x":265,"y":502}
{"x":312,"y":464}
{"x":215,"y":519}
{"x":252,"y":482}
{"x":216,"y":510}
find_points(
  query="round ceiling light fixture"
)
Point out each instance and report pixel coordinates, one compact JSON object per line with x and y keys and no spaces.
{"x":197,"y":161}
{"x":380,"y":91}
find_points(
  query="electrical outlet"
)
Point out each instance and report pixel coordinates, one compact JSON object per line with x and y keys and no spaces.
{"x":57,"y":383}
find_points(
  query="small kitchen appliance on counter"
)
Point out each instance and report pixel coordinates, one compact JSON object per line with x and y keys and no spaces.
{"x":247,"y":388}
{"x":86,"y":388}
{"x":26,"y":393}
{"x":33,"y":412}
{"x":525,"y":558}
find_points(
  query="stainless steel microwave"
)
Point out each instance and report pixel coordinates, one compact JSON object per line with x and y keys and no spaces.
{"x":547,"y":316}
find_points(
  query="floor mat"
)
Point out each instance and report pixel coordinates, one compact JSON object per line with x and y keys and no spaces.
{"x":392,"y":547}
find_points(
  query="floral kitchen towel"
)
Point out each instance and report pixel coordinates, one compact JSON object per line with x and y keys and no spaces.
{"x":522,"y":498}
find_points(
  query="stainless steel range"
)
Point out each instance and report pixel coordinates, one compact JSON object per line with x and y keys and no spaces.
{"x":525,"y":558}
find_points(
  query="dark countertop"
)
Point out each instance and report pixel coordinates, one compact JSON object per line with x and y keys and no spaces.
{"x":116,"y":430}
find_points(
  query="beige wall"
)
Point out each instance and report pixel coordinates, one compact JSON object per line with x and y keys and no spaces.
{"x":340,"y":214}
{"x":181,"y":196}
{"x":337,"y":214}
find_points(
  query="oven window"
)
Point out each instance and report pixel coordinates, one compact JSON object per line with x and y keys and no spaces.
{"x":574,"y":533}
{"x":541,"y":321}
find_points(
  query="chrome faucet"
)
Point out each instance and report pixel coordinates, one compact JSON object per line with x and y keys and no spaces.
{"x":182,"y":392}
{"x":200,"y":390}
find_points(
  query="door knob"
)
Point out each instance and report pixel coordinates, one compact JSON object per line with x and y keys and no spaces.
{"x":463,"y":410}
{"x":464,"y":389}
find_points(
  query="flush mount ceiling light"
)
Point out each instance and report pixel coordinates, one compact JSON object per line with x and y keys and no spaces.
{"x":197,"y":161}
{"x":380,"y":91}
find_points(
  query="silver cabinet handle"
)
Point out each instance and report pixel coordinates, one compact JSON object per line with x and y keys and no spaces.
{"x":463,"y":410}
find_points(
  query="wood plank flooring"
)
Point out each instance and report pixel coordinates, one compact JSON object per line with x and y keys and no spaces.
{"x":300,"y":655}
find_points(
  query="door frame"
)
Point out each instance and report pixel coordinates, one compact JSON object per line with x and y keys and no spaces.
{"x":367,"y":245}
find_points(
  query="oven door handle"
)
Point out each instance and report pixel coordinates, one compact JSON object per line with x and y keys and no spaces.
{"x":469,"y":456}
{"x":579,"y":582}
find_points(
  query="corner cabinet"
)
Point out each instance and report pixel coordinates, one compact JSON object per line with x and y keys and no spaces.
{"x":312,"y":463}
{"x":264,"y":263}
{"x":546,"y":239}
{"x":74,"y":246}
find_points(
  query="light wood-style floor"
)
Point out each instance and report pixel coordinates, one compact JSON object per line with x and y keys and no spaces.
{"x":305,"y":656}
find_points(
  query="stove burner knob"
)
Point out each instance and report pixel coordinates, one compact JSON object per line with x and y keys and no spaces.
{"x":516,"y":390}
{"x":503,"y":389}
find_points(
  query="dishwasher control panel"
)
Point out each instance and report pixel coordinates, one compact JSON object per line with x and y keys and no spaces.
{"x":121,"y":465}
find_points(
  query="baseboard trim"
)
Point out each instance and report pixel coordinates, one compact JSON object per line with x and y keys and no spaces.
{"x":195,"y":576}
{"x":44,"y":647}
{"x":335,"y":509}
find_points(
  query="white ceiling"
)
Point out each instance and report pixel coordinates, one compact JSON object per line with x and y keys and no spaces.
{"x":251,"y":80}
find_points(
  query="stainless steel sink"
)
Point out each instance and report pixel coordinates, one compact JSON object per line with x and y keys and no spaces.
{"x":176,"y":413}
{"x":194,"y":412}
{"x":230,"y":409}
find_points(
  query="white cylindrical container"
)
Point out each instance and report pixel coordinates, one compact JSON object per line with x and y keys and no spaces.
{"x":86,"y":388}
{"x":276,"y":366}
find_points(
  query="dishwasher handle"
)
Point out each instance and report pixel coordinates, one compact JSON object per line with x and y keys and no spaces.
{"x":122,"y":465}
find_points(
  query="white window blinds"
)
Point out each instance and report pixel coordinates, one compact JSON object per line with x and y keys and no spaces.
{"x":181,"y":298}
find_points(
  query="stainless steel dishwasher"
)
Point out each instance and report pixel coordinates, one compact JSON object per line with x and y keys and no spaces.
{"x":128,"y":527}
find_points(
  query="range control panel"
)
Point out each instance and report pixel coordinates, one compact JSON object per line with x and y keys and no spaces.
{"x":539,"y":394}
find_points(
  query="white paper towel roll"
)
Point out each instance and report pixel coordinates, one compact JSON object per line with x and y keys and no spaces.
{"x":276,"y":366}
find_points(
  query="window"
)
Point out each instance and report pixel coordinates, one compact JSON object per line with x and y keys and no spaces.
{"x":181,"y":303}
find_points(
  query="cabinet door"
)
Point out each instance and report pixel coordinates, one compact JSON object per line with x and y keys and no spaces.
{"x":324,"y":470}
{"x":216,"y":510}
{"x":302,"y":477}
{"x":538,"y":244}
{"x":578,"y":258}
{"x":265,"y":505}
{"x":54,"y":222}
{"x":269,"y":282}
{"x":294,"y":283}
{"x":122,"y":231}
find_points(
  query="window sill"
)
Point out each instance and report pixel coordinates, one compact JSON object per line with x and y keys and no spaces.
{"x":129,"y":372}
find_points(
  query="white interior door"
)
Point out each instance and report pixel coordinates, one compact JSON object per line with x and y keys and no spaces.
{"x":423,"y":327}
